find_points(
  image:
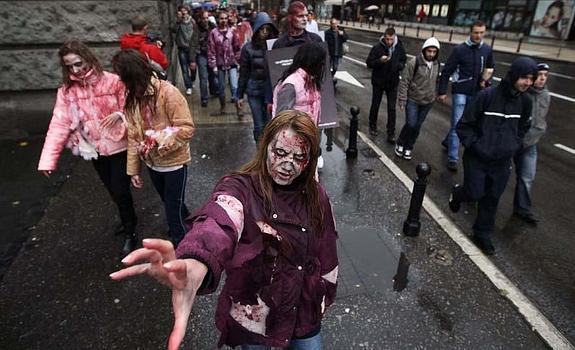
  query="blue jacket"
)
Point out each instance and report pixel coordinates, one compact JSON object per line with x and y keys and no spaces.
{"x":465,"y":66}
{"x":494,"y":123}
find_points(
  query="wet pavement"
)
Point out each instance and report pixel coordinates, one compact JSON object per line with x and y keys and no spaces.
{"x":57,"y":294}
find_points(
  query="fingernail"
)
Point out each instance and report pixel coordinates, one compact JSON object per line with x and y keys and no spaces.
{"x":167,"y":266}
{"x":125,"y":260}
{"x":146,"y":240}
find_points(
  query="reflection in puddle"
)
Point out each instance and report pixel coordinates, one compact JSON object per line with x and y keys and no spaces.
{"x":400,"y":279}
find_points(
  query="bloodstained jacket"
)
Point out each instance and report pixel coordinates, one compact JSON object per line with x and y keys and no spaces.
{"x":223,"y":49}
{"x":281,"y":274}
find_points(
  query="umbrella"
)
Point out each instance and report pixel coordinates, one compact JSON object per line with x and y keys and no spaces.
{"x":209,"y":5}
{"x":372,"y":8}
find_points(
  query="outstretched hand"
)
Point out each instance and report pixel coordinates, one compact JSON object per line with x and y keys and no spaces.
{"x":183,"y":276}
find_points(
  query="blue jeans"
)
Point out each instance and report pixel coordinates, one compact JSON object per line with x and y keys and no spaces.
{"x":451,"y":140}
{"x":313,"y":343}
{"x":259,"y":114}
{"x":202,"y":61}
{"x":414,"y":117}
{"x":525,"y":168}
{"x":233,"y":76}
{"x":171,"y":187}
{"x":184,"y":56}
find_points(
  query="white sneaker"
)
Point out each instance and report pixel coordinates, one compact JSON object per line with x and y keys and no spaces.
{"x":320,"y":162}
{"x":189,"y":92}
{"x":407,"y":154}
{"x":398,"y":150}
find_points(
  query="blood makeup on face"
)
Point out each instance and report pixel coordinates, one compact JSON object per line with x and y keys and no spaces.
{"x":299,"y":20}
{"x":76,"y":65}
{"x":288,"y":156}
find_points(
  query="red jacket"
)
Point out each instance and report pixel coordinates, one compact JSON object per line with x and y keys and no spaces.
{"x":140,"y":42}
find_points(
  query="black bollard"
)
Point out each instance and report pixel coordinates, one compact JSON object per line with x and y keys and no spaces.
{"x":351,"y":151}
{"x":404,"y":29}
{"x":450,"y":35}
{"x":417,"y":33}
{"x":412,"y":225}
{"x":329,"y":142}
{"x":492,"y":41}
{"x":519,"y":45}
{"x":433,"y":31}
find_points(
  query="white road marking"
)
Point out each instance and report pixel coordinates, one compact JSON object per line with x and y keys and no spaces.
{"x":565,"y":148}
{"x":538,"y":322}
{"x":348,"y":78}
{"x":356,"y":61}
{"x":360,"y":44}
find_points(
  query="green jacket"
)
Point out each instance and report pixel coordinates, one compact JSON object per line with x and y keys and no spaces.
{"x":421,"y":88}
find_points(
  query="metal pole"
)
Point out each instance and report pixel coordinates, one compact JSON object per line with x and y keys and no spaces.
{"x":433,"y":31}
{"x":492,"y":41}
{"x":450,"y":35}
{"x":351,"y":151}
{"x":417,"y":33}
{"x":404,"y":29}
{"x":412,"y":224}
{"x":519,"y":45}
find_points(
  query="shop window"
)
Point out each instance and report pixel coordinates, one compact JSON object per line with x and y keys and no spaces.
{"x":444,"y":10}
{"x":390,"y":8}
{"x":435,"y":10}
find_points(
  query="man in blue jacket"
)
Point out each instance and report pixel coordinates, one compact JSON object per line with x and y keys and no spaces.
{"x":492,"y":130}
{"x":470,"y":67}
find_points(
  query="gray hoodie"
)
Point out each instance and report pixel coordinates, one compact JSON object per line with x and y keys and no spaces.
{"x":540,"y":99}
{"x":421,"y":87}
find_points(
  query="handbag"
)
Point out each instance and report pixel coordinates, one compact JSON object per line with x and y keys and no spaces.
{"x":345,"y":48}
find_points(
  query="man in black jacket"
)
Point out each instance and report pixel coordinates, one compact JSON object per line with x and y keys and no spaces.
{"x":335,"y":37}
{"x":386,"y":59}
{"x":492,"y":130}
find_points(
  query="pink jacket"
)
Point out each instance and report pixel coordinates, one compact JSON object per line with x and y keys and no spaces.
{"x":223,"y":50}
{"x":308,"y":101}
{"x":78,"y":112}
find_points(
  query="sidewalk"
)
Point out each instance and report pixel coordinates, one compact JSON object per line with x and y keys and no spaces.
{"x":547,"y":50}
{"x":57,"y":294}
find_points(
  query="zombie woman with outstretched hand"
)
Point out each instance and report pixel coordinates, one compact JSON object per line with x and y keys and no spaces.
{"x":270,"y":227}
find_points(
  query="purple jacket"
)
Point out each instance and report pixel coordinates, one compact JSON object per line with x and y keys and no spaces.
{"x":280,"y":274}
{"x":223,"y":49}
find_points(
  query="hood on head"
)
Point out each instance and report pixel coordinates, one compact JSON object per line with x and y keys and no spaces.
{"x":395,"y":40}
{"x":520,"y":67}
{"x":263,"y":18}
{"x":431,"y":42}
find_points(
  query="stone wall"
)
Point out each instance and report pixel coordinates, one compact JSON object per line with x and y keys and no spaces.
{"x":32,"y":32}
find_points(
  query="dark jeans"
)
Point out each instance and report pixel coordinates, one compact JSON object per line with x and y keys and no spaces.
{"x":171,"y":187}
{"x":184,"y":57}
{"x":391,"y":94}
{"x":483,"y":182}
{"x":259,"y":114}
{"x":414,"y":117}
{"x":203,"y":72}
{"x":334,"y":63}
{"x":112,"y":172}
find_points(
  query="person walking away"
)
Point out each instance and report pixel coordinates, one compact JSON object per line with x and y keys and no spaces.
{"x":138,"y":40}
{"x":223,"y":57}
{"x":470,"y":67}
{"x":526,"y":158}
{"x":386,"y":60}
{"x":492,"y":130}
{"x":296,"y":33}
{"x":160,"y":127}
{"x":88,"y":119}
{"x":299,"y":87}
{"x":270,"y":228}
{"x":186,"y":37}
{"x":335,"y":37}
{"x":417,"y":92}
{"x":254,"y":73}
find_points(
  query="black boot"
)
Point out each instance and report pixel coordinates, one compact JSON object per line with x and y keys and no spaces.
{"x":130,"y":244}
{"x":222,"y":104}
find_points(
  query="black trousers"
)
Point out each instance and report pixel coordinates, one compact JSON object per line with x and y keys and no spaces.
{"x":112,"y":172}
{"x":171,"y":187}
{"x":377,"y":94}
{"x":483,"y":182}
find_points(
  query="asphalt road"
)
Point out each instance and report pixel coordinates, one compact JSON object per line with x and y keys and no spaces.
{"x":540,"y":259}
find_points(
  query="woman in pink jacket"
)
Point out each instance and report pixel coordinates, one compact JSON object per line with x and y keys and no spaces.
{"x":88,"y":119}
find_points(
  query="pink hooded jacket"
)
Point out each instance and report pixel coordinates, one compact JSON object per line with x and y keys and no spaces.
{"x":78,"y":112}
{"x":306,"y":100}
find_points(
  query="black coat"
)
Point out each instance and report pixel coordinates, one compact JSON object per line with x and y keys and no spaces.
{"x":386,"y":74}
{"x":253,"y":71}
{"x":330,"y":39}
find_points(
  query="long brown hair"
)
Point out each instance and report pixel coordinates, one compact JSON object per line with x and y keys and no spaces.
{"x":302,"y":124}
{"x":78,"y":48}
{"x":135,"y":72}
